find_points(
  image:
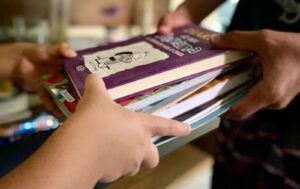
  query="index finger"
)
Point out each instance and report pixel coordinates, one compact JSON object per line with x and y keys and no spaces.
{"x":164,"y":29}
{"x":159,"y":126}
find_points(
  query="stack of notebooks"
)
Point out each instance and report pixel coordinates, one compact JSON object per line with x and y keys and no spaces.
{"x":179,"y":76}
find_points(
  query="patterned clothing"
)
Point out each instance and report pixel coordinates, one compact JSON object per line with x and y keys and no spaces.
{"x":263,"y":151}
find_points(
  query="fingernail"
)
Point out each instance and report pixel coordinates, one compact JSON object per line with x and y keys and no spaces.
{"x":71,"y":53}
{"x":164,"y":30}
{"x":215,"y":38}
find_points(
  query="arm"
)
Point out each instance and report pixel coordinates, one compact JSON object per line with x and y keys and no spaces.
{"x":191,"y":11}
{"x":94,"y":143}
{"x":279,"y":54}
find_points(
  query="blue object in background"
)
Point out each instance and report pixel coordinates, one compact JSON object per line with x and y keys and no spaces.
{"x":19,"y":141}
{"x":44,"y":122}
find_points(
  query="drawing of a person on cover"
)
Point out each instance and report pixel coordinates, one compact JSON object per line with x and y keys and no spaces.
{"x":121,"y":57}
{"x":118,"y":59}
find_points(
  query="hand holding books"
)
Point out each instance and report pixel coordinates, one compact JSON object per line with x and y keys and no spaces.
{"x":277,"y":88}
{"x":101,"y":140}
{"x":26,"y":62}
{"x":118,"y":131}
{"x":278,"y":55}
{"x":152,"y":72}
{"x":40,"y":59}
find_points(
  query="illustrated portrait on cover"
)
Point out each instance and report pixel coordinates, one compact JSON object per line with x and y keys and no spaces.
{"x":119,"y":59}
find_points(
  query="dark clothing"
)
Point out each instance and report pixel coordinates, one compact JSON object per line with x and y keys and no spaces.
{"x":14,"y":153}
{"x":281,"y":15}
{"x":264,"y":151}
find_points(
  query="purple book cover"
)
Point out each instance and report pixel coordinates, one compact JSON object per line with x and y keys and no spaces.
{"x":127,"y":61}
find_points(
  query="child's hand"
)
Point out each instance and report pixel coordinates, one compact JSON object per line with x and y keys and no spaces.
{"x":36,"y":60}
{"x":124,"y":136}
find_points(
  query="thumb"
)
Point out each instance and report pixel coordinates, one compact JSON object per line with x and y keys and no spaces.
{"x":94,"y":84}
{"x":65,"y":50}
{"x":166,"y":127}
{"x":47,"y":53}
{"x":164,"y":29}
{"x":236,"y":40}
{"x":94,"y":92}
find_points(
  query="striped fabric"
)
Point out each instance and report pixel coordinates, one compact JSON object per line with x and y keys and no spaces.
{"x":261,"y":152}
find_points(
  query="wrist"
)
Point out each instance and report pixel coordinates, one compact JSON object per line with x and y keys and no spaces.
{"x":183,"y":13}
{"x":83,"y":138}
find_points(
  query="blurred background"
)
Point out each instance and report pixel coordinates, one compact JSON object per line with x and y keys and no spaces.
{"x":86,"y":23}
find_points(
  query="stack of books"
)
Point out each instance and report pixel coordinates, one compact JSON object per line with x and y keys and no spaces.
{"x":179,"y":76}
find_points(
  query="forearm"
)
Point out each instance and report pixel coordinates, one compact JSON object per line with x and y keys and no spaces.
{"x":101,"y":140}
{"x":197,"y":10}
{"x":10,"y":56}
{"x":68,"y":159}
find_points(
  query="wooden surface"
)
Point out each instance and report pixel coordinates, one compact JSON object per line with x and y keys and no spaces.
{"x":174,"y":169}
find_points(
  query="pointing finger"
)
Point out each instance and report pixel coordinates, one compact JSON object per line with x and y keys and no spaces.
{"x":165,"y":127}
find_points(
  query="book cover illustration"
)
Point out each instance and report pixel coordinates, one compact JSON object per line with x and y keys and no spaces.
{"x":109,"y":62}
{"x":145,"y":56}
{"x":59,"y":87}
